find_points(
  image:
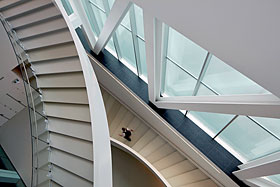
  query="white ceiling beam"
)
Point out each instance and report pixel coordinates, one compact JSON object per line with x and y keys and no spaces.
{"x":265,"y":169}
{"x":259,"y":161}
{"x":85,"y":24}
{"x":153,"y":44}
{"x":260,"y":182}
{"x":117,"y":13}
{"x":253,"y":105}
{"x":248,"y":40}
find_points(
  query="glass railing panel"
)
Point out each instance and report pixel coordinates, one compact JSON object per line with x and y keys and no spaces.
{"x":248,"y":139}
{"x":177,"y":81}
{"x":227,"y":81}
{"x":6,"y":165}
{"x":185,"y":52}
{"x":211,"y":123}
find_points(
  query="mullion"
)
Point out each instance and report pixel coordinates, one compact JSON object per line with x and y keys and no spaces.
{"x":134,"y":40}
{"x":114,"y":36}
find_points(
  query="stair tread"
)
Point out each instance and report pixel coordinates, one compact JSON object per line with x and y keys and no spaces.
{"x":144,"y":140}
{"x":74,"y":164}
{"x":49,"y":25}
{"x":109,"y":103}
{"x":178,"y":169}
{"x":187,"y":178}
{"x":62,"y":95}
{"x":25,"y":7}
{"x":111,"y":114}
{"x":6,"y":4}
{"x":48,"y":39}
{"x":35,"y":17}
{"x":152,"y":146}
{"x":117,"y":119}
{"x":63,"y":65}
{"x":54,"y":52}
{"x":61,"y":176}
{"x":78,"y":129}
{"x":169,"y":160}
{"x":68,"y":111}
{"x":204,"y":183}
{"x":61,"y":80}
{"x":78,"y":147}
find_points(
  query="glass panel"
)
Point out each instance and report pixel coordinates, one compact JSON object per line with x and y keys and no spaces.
{"x":139,"y":21}
{"x":126,"y":21}
{"x":67,"y":7}
{"x":100,"y":17}
{"x":111,"y":47}
{"x":213,"y":122}
{"x":126,"y":45}
{"x":275,"y":178}
{"x":226,"y":80}
{"x":111,"y":2}
{"x":185,"y":52}
{"x":98,"y":3}
{"x":203,"y":90}
{"x":271,"y":124}
{"x":248,"y":139}
{"x":177,"y":81}
{"x":142,"y":57}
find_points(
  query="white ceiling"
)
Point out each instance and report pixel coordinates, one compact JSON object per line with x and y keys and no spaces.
{"x":244,"y":34}
{"x":10,"y":93}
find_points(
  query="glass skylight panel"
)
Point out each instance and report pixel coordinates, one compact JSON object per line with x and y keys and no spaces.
{"x":203,"y":90}
{"x":272,"y":124}
{"x":248,"y":139}
{"x":126,"y":22}
{"x":67,"y":7}
{"x":111,"y":2}
{"x":177,"y":81}
{"x":139,"y":21}
{"x":227,"y":81}
{"x":98,"y":3}
{"x":126,"y":46}
{"x":111,"y":47}
{"x":100,"y":17}
{"x":275,"y":178}
{"x":142,"y":52}
{"x":213,"y":122}
{"x":185,"y":52}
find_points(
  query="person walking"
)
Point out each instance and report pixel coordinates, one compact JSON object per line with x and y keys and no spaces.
{"x":126,"y":133}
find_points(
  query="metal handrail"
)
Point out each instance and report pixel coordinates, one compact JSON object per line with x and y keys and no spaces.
{"x":22,"y":56}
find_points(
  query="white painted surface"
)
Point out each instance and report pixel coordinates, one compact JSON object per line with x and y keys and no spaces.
{"x":117,"y":13}
{"x":15,"y":138}
{"x":99,"y":124}
{"x":243,"y":34}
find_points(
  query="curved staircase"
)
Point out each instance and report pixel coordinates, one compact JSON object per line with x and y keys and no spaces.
{"x":64,"y":120}
{"x":175,"y":168}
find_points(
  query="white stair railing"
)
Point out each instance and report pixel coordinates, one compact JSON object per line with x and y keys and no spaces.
{"x":100,"y":132}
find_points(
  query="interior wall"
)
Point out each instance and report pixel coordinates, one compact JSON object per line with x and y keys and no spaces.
{"x":15,"y":138}
{"x":128,"y":171}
